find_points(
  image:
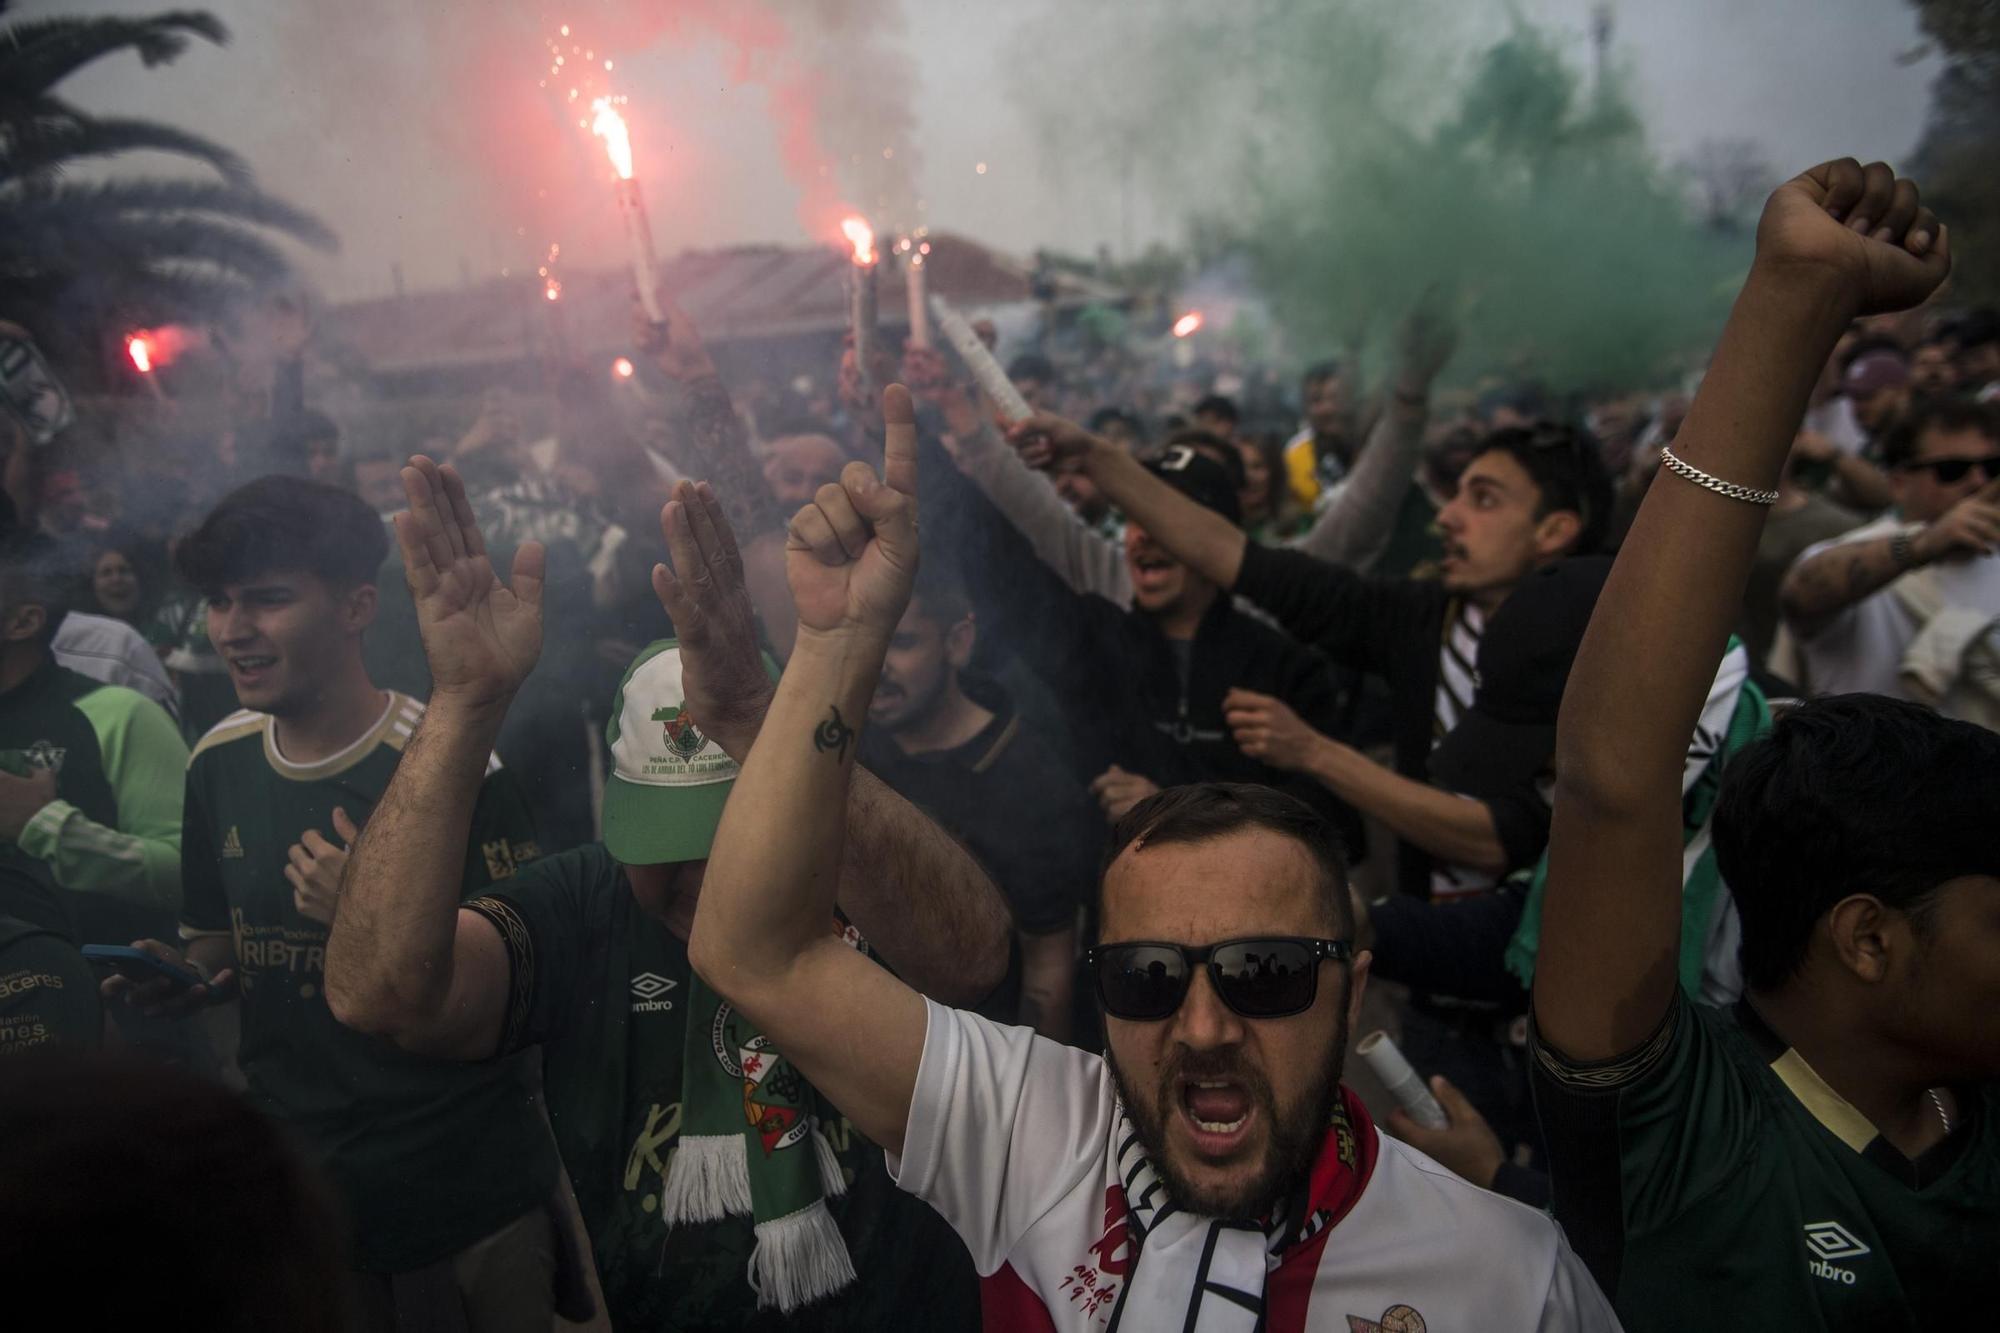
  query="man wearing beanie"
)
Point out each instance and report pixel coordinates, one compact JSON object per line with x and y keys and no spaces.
{"x":718,"y":1190}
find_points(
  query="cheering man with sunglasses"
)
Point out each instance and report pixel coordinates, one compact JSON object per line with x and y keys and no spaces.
{"x":1857,"y":604}
{"x":1210,"y":1173}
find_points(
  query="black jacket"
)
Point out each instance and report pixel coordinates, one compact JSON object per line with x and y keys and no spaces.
{"x":1118,"y":678}
{"x":1394,"y":629}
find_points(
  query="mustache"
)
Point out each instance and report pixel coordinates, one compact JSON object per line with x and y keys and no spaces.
{"x":1224,"y":1065}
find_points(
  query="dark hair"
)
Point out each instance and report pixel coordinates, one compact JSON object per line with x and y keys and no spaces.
{"x":1204,"y":811}
{"x":1979,"y":327}
{"x":121,"y":1181}
{"x":1215,"y":405}
{"x":1319,"y":372}
{"x":1031,"y":366}
{"x":1568,"y":472}
{"x":284,"y":523}
{"x":940,"y":591}
{"x":1853,"y":793}
{"x":1210,"y":445}
{"x":1942,"y":413}
{"x":1106,"y":416}
{"x":291,"y":435}
{"x":32,"y":574}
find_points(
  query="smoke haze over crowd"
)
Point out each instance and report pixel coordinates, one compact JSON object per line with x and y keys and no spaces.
{"x":419,"y":134}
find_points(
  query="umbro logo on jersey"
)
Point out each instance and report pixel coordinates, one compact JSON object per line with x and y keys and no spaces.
{"x":232,"y":844}
{"x":649,"y":993}
{"x":1829,"y":1241}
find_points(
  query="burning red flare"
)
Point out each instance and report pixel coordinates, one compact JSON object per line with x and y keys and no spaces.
{"x":622,"y":368}
{"x":861,"y":236}
{"x":609,"y":126}
{"x":1187,"y":324}
{"x":552,"y":290}
{"x":140,"y":348}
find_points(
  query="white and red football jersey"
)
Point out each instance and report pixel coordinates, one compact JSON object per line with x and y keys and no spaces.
{"x":1011,"y":1139}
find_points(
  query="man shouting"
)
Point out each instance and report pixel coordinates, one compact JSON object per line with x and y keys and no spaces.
{"x":1211,"y":1173}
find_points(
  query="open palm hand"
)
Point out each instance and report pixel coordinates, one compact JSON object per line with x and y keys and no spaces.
{"x":481,"y":636}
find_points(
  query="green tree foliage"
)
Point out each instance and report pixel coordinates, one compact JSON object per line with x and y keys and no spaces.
{"x":1958,"y":159}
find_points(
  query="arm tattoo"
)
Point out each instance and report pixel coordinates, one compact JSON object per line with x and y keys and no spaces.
{"x":833,"y":734}
{"x":716,"y":445}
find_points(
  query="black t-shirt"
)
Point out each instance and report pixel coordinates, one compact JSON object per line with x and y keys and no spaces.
{"x":1132,"y":696}
{"x":48,"y":996}
{"x":602,"y":988}
{"x":1008,"y":798}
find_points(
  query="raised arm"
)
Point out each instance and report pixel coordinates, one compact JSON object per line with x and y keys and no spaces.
{"x":763,"y":933}
{"x":942,"y":931}
{"x":1086,"y":560}
{"x":403,"y":962}
{"x":1835,"y":243}
{"x":1204,"y":540}
{"x":713,"y":443}
{"x":1357,"y":524}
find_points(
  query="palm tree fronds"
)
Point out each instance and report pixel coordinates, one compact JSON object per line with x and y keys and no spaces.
{"x":45,"y":145}
{"x":139,"y":197}
{"x":39,"y":54}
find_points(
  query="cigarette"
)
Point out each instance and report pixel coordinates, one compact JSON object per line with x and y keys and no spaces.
{"x":980,"y":362}
{"x":1378,"y":1050}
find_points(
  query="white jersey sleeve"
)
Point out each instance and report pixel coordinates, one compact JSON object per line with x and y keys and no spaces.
{"x":1004,"y":1127}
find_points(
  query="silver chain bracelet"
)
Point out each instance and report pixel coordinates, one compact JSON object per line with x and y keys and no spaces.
{"x":1694,"y":474}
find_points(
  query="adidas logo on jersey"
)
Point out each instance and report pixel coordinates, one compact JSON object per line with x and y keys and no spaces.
{"x":649,"y":990}
{"x":232,"y":845}
{"x":1830,"y":1240}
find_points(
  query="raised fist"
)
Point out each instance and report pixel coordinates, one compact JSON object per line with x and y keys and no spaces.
{"x":1863,"y":227}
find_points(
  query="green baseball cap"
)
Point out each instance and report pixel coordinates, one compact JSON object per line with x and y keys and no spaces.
{"x":669,"y":782}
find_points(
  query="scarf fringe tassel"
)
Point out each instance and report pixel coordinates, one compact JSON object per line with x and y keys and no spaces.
{"x":799,"y":1258}
{"x":709,"y":1180}
{"x":831,"y":1181}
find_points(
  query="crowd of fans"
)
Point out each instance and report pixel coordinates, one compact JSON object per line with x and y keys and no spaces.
{"x":638,"y":888}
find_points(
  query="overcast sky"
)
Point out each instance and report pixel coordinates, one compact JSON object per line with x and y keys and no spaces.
{"x":422,"y":143}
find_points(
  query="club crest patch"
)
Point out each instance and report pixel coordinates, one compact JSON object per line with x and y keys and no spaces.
{"x":680,"y":732}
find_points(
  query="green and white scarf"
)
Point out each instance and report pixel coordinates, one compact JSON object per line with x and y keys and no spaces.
{"x":1749,"y":716}
{"x":750,"y":1144}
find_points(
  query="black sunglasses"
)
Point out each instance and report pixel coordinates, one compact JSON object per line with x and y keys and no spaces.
{"x":1949,"y":470}
{"x":1261,"y":977}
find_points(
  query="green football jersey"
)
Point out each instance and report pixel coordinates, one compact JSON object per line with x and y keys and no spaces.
{"x":601,"y":988}
{"x":428,"y":1155}
{"x":1712,"y":1180}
